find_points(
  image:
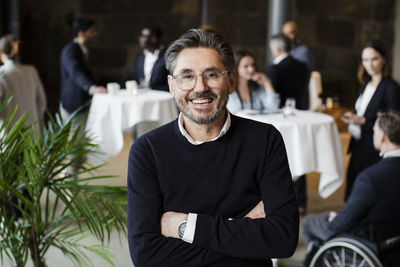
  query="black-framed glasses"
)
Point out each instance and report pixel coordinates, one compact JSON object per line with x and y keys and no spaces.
{"x":187,"y":80}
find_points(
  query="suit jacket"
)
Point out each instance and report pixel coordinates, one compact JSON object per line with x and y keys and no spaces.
{"x":364,"y":154}
{"x":303,"y":54}
{"x":76,"y":78}
{"x":374,"y":198}
{"x":290,"y":79}
{"x":159,"y":73}
{"x":386,"y":96}
{"x":23,"y":82}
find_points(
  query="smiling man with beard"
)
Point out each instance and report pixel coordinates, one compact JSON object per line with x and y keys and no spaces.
{"x":209,"y":188}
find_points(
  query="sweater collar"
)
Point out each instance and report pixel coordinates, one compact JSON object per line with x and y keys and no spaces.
{"x":223,"y":131}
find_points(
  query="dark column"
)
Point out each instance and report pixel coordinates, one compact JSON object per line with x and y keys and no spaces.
{"x":205,"y":20}
{"x":11,"y":16}
{"x":279,"y":11}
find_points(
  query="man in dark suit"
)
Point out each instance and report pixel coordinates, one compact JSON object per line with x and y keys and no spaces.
{"x":374,"y":194}
{"x":290,"y":78}
{"x":298,"y":50}
{"x":77,"y":85}
{"x":288,"y":75}
{"x":149,"y":68}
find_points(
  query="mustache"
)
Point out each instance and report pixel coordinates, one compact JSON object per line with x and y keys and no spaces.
{"x":194,"y":95}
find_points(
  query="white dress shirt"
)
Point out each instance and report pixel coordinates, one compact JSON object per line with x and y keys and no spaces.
{"x":361,"y":105}
{"x":149,"y":61}
{"x":279,"y":58}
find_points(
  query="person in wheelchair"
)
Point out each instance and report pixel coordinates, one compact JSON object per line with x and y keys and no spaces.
{"x":375,"y":196}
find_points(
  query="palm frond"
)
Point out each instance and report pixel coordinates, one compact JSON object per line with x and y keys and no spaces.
{"x":54,"y":208}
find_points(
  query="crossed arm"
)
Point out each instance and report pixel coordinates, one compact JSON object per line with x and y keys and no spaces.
{"x":170,"y":220}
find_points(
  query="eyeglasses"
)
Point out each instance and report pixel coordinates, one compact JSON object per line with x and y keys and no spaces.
{"x":187,"y":81}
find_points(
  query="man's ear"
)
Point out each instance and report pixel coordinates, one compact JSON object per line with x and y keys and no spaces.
{"x":171,"y":85}
{"x":383,"y":138}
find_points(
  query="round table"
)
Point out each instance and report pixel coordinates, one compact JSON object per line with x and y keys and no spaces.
{"x":112,"y":114}
{"x":312,"y":144}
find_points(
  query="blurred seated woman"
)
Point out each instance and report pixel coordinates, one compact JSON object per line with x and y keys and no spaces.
{"x":378,"y":92}
{"x":23,"y":83}
{"x":253,"y":89}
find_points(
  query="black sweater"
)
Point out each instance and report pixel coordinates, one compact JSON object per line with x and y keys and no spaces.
{"x":217,"y":180}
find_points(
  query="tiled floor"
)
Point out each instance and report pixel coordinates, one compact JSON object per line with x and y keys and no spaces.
{"x":118,"y":166}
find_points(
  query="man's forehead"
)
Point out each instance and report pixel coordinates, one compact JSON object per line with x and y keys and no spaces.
{"x":198,"y":59}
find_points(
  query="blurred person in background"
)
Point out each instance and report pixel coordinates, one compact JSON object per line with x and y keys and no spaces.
{"x":253,"y":89}
{"x":149,"y":68}
{"x":299,"y":51}
{"x":371,"y":204}
{"x":77,"y":84}
{"x":290,"y":78}
{"x":24,"y":84}
{"x":377,"y":92}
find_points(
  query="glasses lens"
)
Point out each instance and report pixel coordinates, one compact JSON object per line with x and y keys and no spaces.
{"x":186,"y":81}
{"x":213,"y":78}
{"x":210,"y":78}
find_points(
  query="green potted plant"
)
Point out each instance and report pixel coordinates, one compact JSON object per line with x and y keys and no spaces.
{"x":42,"y":206}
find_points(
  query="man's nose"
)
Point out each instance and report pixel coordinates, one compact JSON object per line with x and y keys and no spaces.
{"x":200,"y":84}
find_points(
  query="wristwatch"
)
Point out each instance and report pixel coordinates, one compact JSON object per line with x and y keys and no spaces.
{"x":182,"y":228}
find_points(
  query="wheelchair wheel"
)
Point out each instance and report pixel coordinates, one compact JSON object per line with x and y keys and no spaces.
{"x":343,"y":252}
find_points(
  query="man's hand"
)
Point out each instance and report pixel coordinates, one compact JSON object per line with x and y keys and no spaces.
{"x":170,"y":222}
{"x":257,"y":212}
{"x":332,"y":216}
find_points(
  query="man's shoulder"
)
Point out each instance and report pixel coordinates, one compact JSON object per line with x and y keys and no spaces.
{"x":386,"y":168}
{"x":249,"y":126}
{"x":162,"y":52}
{"x":290,"y":63}
{"x":300,"y":48}
{"x":70,"y":48}
{"x":386,"y":164}
{"x":161,"y":134}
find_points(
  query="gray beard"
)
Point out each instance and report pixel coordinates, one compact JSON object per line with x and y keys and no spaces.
{"x":209,"y":119}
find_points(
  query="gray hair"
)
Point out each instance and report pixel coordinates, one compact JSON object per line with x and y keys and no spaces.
{"x":281,"y":42}
{"x":194,"y":38}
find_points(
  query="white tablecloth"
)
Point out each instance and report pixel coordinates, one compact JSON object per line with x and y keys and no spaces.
{"x":111,"y":115}
{"x":312,"y":144}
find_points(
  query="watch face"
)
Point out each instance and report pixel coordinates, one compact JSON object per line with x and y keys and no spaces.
{"x":181,"y":229}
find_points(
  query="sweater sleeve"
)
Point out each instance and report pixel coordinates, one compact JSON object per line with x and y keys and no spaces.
{"x":276,"y":235}
{"x":147,"y":246}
